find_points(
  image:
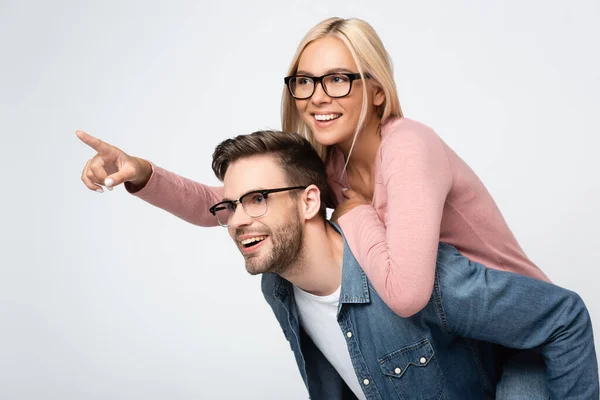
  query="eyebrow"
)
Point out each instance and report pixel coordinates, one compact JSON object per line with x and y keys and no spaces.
{"x":249,"y":191}
{"x":329,"y":71}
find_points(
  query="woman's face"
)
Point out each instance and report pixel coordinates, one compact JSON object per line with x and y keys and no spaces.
{"x":333,"y":120}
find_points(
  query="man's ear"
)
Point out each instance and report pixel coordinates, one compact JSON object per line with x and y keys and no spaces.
{"x":311,"y":201}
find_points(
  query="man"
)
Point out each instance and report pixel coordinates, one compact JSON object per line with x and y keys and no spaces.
{"x":346,"y":341}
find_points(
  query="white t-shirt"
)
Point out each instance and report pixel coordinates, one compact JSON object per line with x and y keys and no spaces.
{"x":318,"y":317}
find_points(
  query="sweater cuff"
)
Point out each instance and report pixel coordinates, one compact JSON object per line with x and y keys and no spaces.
{"x":360,"y":226}
{"x":150,"y":186}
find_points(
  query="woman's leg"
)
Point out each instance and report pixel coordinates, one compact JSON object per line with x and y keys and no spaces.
{"x":523,"y":377}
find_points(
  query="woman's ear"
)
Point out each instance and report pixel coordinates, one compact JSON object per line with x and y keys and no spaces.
{"x":311,"y":204}
{"x":378,"y":96}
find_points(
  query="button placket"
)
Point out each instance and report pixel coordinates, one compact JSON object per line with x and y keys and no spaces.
{"x":368,"y":385}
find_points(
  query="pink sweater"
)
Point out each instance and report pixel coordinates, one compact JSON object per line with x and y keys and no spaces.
{"x":424,"y":194}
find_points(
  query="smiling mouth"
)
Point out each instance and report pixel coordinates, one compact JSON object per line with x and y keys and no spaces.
{"x":252,"y":242}
{"x":326,"y":117}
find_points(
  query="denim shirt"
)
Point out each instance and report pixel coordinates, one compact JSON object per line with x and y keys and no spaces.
{"x":447,"y":350}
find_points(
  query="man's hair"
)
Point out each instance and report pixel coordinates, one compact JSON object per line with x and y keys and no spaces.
{"x":299,"y":160}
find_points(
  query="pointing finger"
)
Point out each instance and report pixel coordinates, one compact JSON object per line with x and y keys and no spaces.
{"x":95,"y":143}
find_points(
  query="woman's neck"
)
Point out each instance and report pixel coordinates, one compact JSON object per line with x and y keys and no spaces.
{"x":362,"y":156}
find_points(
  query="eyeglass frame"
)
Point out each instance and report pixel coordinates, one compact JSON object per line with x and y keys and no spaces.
{"x":264,"y":192}
{"x":319,"y":79}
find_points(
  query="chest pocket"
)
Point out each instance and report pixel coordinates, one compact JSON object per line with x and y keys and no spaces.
{"x":414,"y":372}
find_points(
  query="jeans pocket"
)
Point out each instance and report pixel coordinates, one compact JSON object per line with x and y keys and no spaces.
{"x":414,"y":372}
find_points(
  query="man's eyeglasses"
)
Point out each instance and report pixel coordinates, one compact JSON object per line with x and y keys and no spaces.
{"x":335,"y":85}
{"x":254,"y":204}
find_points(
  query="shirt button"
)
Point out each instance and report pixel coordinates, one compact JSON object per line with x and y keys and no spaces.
{"x":397,"y":370}
{"x":349,"y":334}
{"x":423,"y":360}
{"x":366,"y":382}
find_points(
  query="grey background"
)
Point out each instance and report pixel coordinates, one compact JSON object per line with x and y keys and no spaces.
{"x":105,"y":297}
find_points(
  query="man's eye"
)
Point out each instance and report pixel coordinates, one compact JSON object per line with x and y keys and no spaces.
{"x":258,"y":199}
{"x":225,"y":207}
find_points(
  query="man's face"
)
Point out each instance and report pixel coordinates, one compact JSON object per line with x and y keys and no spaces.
{"x":272,"y":242}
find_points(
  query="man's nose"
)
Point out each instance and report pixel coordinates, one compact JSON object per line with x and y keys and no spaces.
{"x":239,"y":218}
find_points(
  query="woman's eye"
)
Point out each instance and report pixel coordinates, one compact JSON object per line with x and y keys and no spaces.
{"x":339,"y":79}
{"x":304,"y":81}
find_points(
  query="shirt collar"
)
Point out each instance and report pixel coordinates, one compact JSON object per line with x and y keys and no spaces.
{"x":355,"y":286}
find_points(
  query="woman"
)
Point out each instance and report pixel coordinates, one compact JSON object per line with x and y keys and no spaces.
{"x":398,"y":188}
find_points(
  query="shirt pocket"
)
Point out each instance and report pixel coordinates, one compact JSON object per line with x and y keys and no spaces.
{"x":414,"y":372}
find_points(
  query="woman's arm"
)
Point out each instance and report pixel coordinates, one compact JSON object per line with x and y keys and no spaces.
{"x":182,"y":197}
{"x":399,"y":257}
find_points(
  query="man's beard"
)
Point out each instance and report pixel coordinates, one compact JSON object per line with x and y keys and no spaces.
{"x":287,"y":242}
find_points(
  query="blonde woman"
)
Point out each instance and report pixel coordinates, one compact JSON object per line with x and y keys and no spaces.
{"x":398,"y":189}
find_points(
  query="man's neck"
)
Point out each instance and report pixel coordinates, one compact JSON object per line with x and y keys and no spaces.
{"x":320,"y":270}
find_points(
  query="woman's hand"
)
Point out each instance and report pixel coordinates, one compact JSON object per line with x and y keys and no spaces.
{"x":354,"y":199}
{"x":111,"y":166}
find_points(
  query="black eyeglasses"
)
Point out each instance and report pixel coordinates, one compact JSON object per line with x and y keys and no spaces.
{"x":335,"y":85}
{"x":254,"y":204}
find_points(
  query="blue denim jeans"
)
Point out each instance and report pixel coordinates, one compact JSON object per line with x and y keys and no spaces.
{"x":523,"y":377}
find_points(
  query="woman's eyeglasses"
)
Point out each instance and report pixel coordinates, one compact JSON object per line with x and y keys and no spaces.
{"x":335,"y":85}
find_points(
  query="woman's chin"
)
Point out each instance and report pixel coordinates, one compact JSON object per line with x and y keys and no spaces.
{"x":327,"y":136}
{"x":330,"y":138}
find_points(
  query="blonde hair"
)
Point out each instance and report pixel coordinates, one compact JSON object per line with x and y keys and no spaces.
{"x":370,"y":57}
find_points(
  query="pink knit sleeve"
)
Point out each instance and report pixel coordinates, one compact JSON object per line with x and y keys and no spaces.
{"x":181,"y":197}
{"x":399,"y":257}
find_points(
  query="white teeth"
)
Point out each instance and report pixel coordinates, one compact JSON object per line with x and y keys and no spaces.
{"x":254,"y":239}
{"x":326,"y":117}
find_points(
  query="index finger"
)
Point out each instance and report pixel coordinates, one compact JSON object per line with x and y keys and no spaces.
{"x":95,"y":143}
